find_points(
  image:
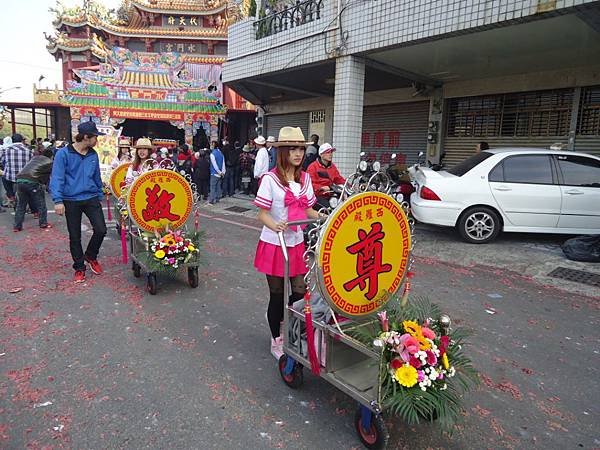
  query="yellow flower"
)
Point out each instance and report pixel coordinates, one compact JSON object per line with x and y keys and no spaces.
{"x":412,"y":328}
{"x":424,"y":343}
{"x":169,"y":241}
{"x":160,"y":254}
{"x":445,"y":361}
{"x":191,"y":248}
{"x":406,"y":375}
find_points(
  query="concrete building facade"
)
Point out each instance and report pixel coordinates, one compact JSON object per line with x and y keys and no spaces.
{"x":394,"y":76}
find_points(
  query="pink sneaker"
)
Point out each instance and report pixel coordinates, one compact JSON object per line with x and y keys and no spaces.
{"x":277,"y":347}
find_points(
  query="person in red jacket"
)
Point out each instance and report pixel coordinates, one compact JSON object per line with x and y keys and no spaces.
{"x":323,"y":174}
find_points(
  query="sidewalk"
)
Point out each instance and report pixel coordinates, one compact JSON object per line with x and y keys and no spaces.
{"x":528,"y":254}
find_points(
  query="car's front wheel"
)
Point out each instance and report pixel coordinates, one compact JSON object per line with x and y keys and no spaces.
{"x":479,"y":225}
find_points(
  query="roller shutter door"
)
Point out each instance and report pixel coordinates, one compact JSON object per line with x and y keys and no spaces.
{"x":460,"y":148}
{"x":278,"y":121}
{"x":399,"y":128}
{"x":588,"y":144}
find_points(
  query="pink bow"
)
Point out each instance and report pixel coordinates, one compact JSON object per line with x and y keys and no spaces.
{"x":296,"y":207}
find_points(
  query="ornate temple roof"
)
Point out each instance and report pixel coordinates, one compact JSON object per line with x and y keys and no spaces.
{"x":143,"y":81}
{"x":196,"y":7}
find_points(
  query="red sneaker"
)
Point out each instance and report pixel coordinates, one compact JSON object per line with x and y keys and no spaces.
{"x":94,"y":265}
{"x":79,"y":276}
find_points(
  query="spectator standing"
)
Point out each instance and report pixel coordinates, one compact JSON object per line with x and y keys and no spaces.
{"x":6,"y":142}
{"x":30,"y":188}
{"x":217,"y":172}
{"x":14,"y":158}
{"x":230,"y":162}
{"x":185,"y":160}
{"x":201,"y":175}
{"x":312,"y":152}
{"x":76,"y":189}
{"x":247,"y":168}
{"x":481,"y":146}
{"x":272,"y":152}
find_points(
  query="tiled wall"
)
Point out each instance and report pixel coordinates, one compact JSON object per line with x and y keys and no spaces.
{"x":371,"y":24}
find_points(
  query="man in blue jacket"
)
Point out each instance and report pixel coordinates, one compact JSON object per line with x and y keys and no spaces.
{"x":76,"y":189}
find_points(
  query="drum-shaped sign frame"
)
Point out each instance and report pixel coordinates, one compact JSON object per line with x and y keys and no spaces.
{"x":117,"y":176}
{"x":363,"y":254}
{"x":160,"y":198}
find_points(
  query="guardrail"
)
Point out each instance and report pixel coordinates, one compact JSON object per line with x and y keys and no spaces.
{"x":291,"y":17}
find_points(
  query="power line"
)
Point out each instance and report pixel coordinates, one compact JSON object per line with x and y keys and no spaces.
{"x":6,"y":61}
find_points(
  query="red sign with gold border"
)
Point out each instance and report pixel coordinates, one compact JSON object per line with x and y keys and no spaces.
{"x":117,"y":179}
{"x":159,"y":198}
{"x":364,"y":254}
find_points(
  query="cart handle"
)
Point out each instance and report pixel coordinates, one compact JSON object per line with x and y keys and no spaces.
{"x":291,"y":224}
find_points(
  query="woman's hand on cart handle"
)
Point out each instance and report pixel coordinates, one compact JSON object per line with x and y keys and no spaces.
{"x":280,"y":227}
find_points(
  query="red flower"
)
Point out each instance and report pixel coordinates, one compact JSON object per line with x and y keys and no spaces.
{"x":396,"y":363}
{"x":431,"y":358}
{"x":415,"y":362}
{"x":445,"y":341}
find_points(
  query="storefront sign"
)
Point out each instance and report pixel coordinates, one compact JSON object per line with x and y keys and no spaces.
{"x":117,"y":179}
{"x":364,"y":254}
{"x":159,"y":198}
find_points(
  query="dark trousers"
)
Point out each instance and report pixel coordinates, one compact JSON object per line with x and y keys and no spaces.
{"x":202,"y":186}
{"x":229,"y":181}
{"x":31,"y":194}
{"x":74,"y":210}
{"x":9,"y":187}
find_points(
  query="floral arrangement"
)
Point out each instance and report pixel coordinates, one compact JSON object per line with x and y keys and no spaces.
{"x":173,"y":248}
{"x":423,"y":368}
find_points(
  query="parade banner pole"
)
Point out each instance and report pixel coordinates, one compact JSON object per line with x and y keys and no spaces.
{"x":108,"y":207}
{"x":123,"y":242}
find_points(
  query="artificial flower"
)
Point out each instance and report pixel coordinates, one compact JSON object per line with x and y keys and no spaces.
{"x":384,"y":320}
{"x":406,"y":375}
{"x":160,"y":254}
{"x":428,"y":333}
{"x":411,"y":327}
{"x":191,"y":248}
{"x":431,"y":358}
{"x":396,"y":363}
{"x":407,"y":346}
{"x":424,"y":343}
{"x":445,"y":361}
{"x":414,"y":362}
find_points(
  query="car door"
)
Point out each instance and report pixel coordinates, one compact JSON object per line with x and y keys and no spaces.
{"x":525,"y":190}
{"x":580,"y":187}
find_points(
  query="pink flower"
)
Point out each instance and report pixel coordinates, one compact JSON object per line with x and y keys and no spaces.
{"x":383,"y":320}
{"x":445,"y":341}
{"x":408,"y":346}
{"x":171,"y":260}
{"x":428,"y":333}
{"x":431,"y":358}
{"x":420,"y":376}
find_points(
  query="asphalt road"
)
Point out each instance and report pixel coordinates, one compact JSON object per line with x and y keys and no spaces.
{"x":105,"y":365}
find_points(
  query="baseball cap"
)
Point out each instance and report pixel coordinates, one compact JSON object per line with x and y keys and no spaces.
{"x":89,"y":128}
{"x":326,"y":148}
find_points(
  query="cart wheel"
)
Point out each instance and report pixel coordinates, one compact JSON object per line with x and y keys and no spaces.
{"x":193,"y":277}
{"x":137,"y":270}
{"x":151,"y":283}
{"x":375,"y":435}
{"x":292,"y":376}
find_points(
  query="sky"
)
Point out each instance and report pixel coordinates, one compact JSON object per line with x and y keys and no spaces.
{"x":23,"y":54}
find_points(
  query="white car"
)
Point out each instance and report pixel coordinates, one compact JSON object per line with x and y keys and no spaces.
{"x":512,"y":189}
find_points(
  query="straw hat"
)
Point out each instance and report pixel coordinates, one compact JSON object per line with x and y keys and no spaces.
{"x":260,"y":140}
{"x":291,"y":137}
{"x":143,"y":143}
{"x":124,"y":141}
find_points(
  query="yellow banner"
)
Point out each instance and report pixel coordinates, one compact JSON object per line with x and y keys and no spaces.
{"x":148,"y":115}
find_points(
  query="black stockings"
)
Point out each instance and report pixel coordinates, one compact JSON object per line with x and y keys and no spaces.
{"x":275,"y":309}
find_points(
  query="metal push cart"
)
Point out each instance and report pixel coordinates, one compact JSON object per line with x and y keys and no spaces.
{"x":139,"y":240}
{"x":347,"y":364}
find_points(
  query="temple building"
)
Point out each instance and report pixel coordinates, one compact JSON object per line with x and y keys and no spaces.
{"x":151,"y":68}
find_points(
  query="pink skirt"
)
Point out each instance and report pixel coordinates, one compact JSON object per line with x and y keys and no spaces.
{"x":269,"y":259}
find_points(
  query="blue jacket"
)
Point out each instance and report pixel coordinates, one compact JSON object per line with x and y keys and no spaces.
{"x":219,"y":160}
{"x":75,"y":177}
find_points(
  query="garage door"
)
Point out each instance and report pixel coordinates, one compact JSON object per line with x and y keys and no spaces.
{"x":278,"y":121}
{"x":399,"y":128}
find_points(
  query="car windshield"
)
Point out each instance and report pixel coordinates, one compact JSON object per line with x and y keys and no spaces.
{"x":460,"y":169}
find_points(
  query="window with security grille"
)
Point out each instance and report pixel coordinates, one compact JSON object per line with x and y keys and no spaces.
{"x":527,"y":114}
{"x":589,"y":112}
{"x":317,"y":116}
